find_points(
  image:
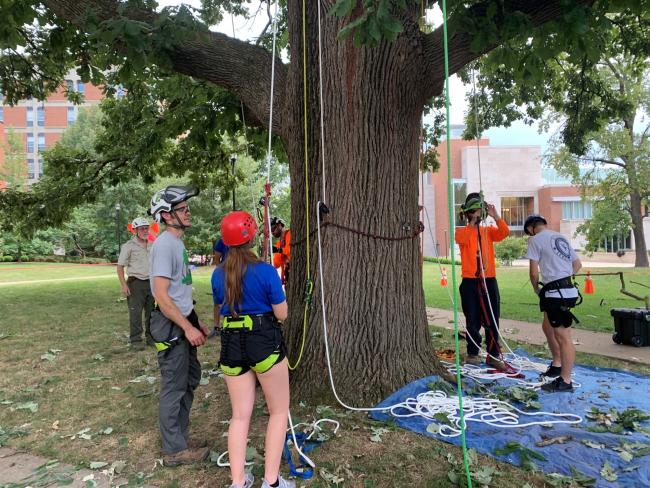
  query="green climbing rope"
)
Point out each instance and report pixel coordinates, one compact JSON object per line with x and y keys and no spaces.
{"x":452,"y":220}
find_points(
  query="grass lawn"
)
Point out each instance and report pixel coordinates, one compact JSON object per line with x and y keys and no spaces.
{"x":13,"y":272}
{"x":519,"y":302}
{"x":64,"y":355}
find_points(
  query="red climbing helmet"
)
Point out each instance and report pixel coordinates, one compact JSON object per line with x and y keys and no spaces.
{"x":238,"y":228}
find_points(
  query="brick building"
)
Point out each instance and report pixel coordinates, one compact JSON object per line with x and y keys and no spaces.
{"x":42,"y":123}
{"x":513,"y":180}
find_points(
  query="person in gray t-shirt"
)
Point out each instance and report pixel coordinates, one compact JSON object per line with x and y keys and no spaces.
{"x":175,"y":326}
{"x":550,"y":252}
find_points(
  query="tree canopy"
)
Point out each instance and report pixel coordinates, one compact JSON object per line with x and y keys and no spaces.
{"x":600,"y":96}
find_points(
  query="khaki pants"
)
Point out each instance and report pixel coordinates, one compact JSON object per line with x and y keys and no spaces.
{"x":140,"y":300}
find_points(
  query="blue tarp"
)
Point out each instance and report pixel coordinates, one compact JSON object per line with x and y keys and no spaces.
{"x":602,"y":388}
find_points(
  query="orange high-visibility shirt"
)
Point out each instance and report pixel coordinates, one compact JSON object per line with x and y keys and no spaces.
{"x":467,"y":239}
{"x":280,"y":259}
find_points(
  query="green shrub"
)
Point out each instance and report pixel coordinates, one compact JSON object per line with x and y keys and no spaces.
{"x":511,"y":248}
{"x":24,"y":258}
{"x":7,"y":259}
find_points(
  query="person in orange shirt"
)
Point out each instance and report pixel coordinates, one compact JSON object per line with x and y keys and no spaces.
{"x":282,"y":248}
{"x":479,"y":292}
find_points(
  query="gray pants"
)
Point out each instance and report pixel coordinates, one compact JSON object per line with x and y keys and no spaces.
{"x":140,"y":300}
{"x":180,"y":374}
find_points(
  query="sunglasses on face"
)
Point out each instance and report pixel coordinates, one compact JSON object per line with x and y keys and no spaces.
{"x":185,"y":209}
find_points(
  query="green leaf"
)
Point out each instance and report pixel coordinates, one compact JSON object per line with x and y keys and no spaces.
{"x":97,"y":464}
{"x":608,"y":472}
{"x":342,"y":8}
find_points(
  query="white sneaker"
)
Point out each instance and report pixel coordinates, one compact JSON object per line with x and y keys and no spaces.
{"x":248,"y":482}
{"x":282,"y":483}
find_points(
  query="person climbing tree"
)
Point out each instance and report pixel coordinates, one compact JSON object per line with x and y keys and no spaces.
{"x":248,"y":294}
{"x":479,"y":291}
{"x":282,"y":248}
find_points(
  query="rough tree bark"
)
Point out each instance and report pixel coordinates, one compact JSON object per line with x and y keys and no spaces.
{"x":373,"y":100}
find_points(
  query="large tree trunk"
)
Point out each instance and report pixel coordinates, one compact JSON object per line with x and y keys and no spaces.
{"x":640,"y":247}
{"x":373,"y":287}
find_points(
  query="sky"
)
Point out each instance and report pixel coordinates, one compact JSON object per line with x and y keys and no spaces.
{"x":519,"y":134}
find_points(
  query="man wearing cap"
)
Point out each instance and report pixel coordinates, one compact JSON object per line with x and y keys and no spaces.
{"x":134,"y":256}
{"x":175,"y":326}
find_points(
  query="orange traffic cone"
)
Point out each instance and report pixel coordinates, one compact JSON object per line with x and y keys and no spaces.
{"x":443,"y":279}
{"x":589,"y":284}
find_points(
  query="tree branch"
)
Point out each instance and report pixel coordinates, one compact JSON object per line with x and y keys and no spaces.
{"x":603,"y":160}
{"x":460,"y":53}
{"x":238,"y":66}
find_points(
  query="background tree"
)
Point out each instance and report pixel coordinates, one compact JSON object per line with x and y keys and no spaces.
{"x":13,"y":170}
{"x":601,"y":97}
{"x":188,"y":86}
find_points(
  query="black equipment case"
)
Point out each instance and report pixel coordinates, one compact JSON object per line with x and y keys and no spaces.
{"x":631,"y":326}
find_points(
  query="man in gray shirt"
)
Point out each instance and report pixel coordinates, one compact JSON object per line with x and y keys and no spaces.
{"x":175,"y":326}
{"x":550,"y":252}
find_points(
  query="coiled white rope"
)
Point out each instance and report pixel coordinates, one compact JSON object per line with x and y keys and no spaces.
{"x":495,"y":413}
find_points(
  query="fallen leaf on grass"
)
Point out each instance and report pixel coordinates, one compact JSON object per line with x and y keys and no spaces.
{"x":149,"y":379}
{"x":98,"y":357}
{"x":117,"y":467}
{"x":330,"y":477}
{"x":31,"y":406}
{"x":55,"y":425}
{"x":204,"y":381}
{"x":97,"y":464}
{"x":377,"y":432}
{"x":107,"y":431}
{"x":48,"y":356}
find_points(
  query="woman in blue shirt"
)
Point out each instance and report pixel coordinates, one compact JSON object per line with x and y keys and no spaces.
{"x":248,"y":295}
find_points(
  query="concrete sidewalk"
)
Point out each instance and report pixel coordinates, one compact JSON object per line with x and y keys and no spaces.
{"x":525,"y":332}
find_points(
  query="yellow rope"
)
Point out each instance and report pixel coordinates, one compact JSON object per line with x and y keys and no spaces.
{"x":306,"y":148}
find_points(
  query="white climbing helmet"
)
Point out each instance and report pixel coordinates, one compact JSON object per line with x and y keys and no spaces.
{"x":139,"y":222}
{"x":163,"y":200}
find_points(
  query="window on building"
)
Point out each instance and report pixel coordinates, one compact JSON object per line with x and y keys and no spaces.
{"x":514,"y":211}
{"x":30,"y":143}
{"x":622,"y":241}
{"x":40,"y":116}
{"x":40,"y":167}
{"x":72,"y":116}
{"x":30,"y":117}
{"x":30,"y":169}
{"x":460,"y":194}
{"x":69,"y":84}
{"x":81,"y":87}
{"x":576,"y":210}
{"x":41,"y":142}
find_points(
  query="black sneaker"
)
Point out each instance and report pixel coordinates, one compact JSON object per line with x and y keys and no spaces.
{"x":552,"y":371}
{"x":557,"y":385}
